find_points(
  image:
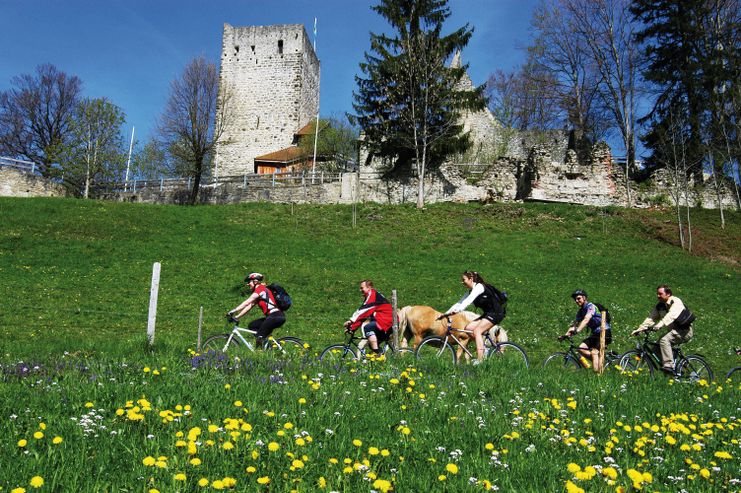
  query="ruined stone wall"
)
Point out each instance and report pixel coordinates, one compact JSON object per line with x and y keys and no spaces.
{"x":271,"y":76}
{"x":14,"y":183}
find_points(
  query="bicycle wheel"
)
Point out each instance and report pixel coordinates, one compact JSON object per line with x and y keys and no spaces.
{"x":288,"y":347}
{"x":508,"y":356}
{"x":694,"y":368}
{"x":434,"y":348}
{"x":218,"y":343}
{"x":635,"y":361}
{"x":338,"y":355}
{"x":562,"y":360}
{"x":734,"y":375}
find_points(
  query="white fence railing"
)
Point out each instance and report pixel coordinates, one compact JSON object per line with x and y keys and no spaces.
{"x":20,"y":165}
{"x":245,"y":181}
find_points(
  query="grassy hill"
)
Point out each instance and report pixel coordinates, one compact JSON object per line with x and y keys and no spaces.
{"x":76,"y":274}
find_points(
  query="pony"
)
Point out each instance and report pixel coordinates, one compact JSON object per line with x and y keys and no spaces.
{"x":420,"y":321}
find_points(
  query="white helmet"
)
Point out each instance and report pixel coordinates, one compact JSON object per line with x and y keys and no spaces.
{"x":255,"y":276}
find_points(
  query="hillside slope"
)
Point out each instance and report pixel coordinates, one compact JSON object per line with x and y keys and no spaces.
{"x":76,"y":274}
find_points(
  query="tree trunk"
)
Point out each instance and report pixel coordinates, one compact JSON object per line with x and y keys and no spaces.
{"x":198,"y":171}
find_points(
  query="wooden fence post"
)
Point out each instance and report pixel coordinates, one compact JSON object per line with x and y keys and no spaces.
{"x":200,"y":328}
{"x":154,"y":291}
{"x":602,"y":343}
{"x":395,"y":326}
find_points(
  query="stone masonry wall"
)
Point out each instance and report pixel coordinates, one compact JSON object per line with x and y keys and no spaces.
{"x":272,"y":77}
{"x":14,"y":183}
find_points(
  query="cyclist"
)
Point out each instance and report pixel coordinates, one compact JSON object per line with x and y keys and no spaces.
{"x":262,"y":297}
{"x":589,"y":316}
{"x":664,"y":316}
{"x":375,"y":316}
{"x":482,"y":297}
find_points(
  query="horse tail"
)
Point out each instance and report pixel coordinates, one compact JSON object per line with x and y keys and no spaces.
{"x":404,"y":325}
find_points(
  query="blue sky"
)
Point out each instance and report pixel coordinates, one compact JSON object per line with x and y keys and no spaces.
{"x":130,"y":51}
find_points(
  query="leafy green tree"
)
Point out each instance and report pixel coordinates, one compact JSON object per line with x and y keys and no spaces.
{"x":96,"y":150}
{"x":336,"y":144}
{"x":410,"y":97}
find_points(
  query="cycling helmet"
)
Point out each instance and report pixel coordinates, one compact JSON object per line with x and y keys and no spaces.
{"x":579,"y":292}
{"x":255,"y":276}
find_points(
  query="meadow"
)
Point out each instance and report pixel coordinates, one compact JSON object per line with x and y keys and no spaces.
{"x":86,"y":405}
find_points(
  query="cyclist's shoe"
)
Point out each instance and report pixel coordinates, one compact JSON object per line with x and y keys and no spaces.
{"x":259,"y":342}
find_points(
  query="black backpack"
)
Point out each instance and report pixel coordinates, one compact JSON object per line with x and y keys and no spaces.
{"x":282,"y":299}
{"x":499,"y":297}
{"x":602,"y":308}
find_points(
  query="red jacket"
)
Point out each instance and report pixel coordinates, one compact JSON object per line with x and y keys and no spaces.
{"x":266,"y":300}
{"x":375,"y":307}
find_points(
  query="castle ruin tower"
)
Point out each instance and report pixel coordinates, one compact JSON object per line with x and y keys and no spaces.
{"x":271,"y":74}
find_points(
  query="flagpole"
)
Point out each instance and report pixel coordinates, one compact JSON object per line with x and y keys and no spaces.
{"x":128,"y":162}
{"x":316,"y":130}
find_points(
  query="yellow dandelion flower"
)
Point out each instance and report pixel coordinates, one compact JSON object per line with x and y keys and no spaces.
{"x":227,"y":446}
{"x":36,"y":482}
{"x":149,"y":460}
{"x":263,"y":480}
{"x":302,"y":400}
{"x":237,"y":403}
{"x":385,"y":453}
{"x":229,"y":482}
{"x":203,"y":482}
{"x":322,"y":482}
{"x":18,"y":490}
{"x":179,"y":477}
{"x":38,"y":435}
{"x":452,"y":468}
{"x":442,"y":477}
{"x":195,"y":461}
{"x":357,"y":443}
{"x":251,"y":470}
{"x":300,"y":442}
{"x":382,"y":485}
{"x":573,"y":468}
{"x":705,"y":473}
{"x":723,"y":455}
{"x":22,"y":442}
{"x":288,"y":426}
{"x":572,"y":488}
{"x":373,"y":451}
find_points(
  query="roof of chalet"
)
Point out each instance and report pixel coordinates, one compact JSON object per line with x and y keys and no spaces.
{"x":306,"y":129}
{"x":284,"y":156}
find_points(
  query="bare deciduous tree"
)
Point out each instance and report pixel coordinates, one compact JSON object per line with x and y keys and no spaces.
{"x":189,"y":126}
{"x":607,"y":31}
{"x":36,"y":114}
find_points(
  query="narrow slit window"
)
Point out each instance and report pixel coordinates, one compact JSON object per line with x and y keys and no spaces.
{"x":280,"y":46}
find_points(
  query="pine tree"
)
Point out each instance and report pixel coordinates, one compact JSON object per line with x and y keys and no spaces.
{"x":410,"y":98}
{"x":692,"y":49}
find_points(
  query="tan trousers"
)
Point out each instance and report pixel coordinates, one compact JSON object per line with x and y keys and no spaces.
{"x":672,"y":338}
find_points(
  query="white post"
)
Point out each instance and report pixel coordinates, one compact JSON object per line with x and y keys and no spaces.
{"x":200,"y":328}
{"x":128,"y":163}
{"x":153,"y":302}
{"x":395,"y":318}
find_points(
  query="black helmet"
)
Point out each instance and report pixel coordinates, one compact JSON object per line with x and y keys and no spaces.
{"x":579,"y":292}
{"x":255,"y":276}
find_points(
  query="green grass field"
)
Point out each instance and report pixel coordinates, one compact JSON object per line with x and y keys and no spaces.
{"x":86,"y":406}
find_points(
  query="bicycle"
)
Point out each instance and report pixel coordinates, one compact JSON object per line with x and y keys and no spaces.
{"x":571,"y":359}
{"x":354,"y":349}
{"x":286,"y":346}
{"x":437,"y":347}
{"x":644,"y":357}
{"x":735,"y":371}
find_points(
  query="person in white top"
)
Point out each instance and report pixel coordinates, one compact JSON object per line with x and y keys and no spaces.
{"x":483,"y":297}
{"x":665,"y":315}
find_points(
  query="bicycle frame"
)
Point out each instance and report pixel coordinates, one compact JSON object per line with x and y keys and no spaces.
{"x":449,"y":335}
{"x":238,"y":331}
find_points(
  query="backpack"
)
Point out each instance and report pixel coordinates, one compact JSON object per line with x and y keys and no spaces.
{"x":500,"y":297}
{"x":283,"y":300}
{"x":602,"y":308}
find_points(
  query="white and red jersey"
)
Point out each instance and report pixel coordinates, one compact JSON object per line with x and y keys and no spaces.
{"x":377,"y":307}
{"x":266,"y":300}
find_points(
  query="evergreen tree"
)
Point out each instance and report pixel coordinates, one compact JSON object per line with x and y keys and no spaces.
{"x":692,"y":51}
{"x":410,"y":98}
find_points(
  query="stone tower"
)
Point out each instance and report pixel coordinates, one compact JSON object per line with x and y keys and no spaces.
{"x":271,"y":74}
